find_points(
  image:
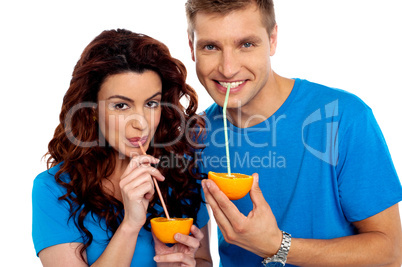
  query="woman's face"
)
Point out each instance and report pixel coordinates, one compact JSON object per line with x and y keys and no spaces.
{"x":129,"y":107}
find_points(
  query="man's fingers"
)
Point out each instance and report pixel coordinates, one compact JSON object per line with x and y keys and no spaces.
{"x":256,"y":194}
{"x":226,"y":214}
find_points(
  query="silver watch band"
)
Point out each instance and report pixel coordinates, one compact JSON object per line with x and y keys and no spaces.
{"x":282,"y":254}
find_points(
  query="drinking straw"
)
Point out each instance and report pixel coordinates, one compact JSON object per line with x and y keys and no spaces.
{"x":225,"y":128}
{"x":156,"y":186}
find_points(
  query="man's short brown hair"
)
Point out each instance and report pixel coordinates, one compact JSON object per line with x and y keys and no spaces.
{"x":224,"y":7}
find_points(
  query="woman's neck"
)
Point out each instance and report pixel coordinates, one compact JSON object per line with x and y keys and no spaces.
{"x":111,"y":183}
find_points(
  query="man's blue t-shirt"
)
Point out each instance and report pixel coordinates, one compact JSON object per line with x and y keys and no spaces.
{"x":51,"y":224}
{"x":322,"y":161}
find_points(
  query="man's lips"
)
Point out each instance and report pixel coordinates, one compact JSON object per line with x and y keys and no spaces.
{"x":134,"y":141}
{"x":234,"y":86}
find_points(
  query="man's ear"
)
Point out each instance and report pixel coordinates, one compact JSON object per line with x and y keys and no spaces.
{"x":190,"y":43}
{"x":273,"y":40}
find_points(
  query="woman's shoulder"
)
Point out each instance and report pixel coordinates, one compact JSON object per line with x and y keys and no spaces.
{"x":46,"y":179}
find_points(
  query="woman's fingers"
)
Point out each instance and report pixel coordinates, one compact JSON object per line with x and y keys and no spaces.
{"x":143,"y":190}
{"x":184,"y":259}
{"x":193,"y":241}
{"x":133,"y":176}
{"x":144,"y":160}
{"x":183,"y":252}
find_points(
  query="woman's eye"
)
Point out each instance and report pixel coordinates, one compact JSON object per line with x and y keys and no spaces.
{"x":153,"y":104}
{"x":121,"y":106}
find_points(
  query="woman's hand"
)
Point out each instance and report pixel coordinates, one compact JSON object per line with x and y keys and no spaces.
{"x":137,"y":189}
{"x":181,"y":253}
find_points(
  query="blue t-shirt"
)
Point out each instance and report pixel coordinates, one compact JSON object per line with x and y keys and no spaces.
{"x":322,"y":161}
{"x":51,"y":226}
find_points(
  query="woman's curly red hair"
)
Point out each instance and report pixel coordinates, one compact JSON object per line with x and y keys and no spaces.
{"x":88,"y":159}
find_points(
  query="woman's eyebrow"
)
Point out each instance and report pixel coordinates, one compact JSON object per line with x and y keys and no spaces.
{"x":121,"y":97}
{"x":154,"y":95}
{"x":129,"y":99}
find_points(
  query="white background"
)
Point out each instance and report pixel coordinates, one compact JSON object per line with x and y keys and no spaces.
{"x":350,"y":44}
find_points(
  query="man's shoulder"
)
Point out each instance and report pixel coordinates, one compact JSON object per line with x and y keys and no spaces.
{"x":212,"y":111}
{"x":320,"y":93}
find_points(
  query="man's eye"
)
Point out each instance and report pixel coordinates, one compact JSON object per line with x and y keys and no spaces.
{"x":209,"y":47}
{"x":247,"y":45}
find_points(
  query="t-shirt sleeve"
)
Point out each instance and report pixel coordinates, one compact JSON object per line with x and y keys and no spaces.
{"x":50,"y":216}
{"x":367,"y":179}
{"x":202,"y":216}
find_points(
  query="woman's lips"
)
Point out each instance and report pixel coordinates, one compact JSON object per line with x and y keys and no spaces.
{"x":134,"y":141}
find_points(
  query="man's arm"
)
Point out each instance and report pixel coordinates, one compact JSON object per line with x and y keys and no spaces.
{"x":378,"y":242}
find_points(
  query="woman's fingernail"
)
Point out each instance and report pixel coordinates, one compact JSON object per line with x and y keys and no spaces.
{"x":156,"y":258}
{"x":177,"y":236}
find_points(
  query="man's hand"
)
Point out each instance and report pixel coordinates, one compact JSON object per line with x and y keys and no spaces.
{"x":258,"y":232}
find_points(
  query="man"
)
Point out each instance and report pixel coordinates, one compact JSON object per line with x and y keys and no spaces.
{"x":325,"y":190}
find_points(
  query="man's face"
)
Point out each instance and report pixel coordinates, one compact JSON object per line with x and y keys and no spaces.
{"x":234,"y":49}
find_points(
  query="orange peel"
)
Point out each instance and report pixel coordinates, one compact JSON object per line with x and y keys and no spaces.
{"x":235,"y":186}
{"x":165,"y":229}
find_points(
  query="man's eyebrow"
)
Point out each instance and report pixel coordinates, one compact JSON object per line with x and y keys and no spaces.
{"x":203,"y":42}
{"x":249,"y":39}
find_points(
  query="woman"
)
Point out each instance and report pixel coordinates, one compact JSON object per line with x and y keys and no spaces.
{"x":94,"y":203}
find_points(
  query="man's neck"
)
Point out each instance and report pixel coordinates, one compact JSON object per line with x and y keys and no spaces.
{"x":263,"y":106}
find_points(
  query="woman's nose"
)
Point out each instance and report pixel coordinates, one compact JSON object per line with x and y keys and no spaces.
{"x":137,"y":120}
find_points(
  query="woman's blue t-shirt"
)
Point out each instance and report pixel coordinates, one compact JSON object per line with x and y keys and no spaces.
{"x":51,"y":224}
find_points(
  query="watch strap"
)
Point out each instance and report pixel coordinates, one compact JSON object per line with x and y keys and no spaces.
{"x":282,"y":254}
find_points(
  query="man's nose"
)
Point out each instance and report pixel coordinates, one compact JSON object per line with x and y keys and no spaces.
{"x":229,"y":64}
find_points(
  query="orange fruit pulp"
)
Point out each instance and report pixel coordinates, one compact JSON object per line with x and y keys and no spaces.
{"x":235,"y":186}
{"x":165,"y":229}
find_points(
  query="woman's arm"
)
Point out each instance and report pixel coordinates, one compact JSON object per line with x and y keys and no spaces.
{"x":203,"y":254}
{"x":119,"y":251}
{"x":137,"y":188}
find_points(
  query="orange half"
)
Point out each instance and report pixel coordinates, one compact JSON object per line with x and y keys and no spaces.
{"x":235,"y":186}
{"x":165,"y":229}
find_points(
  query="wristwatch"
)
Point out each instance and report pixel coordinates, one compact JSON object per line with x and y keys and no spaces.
{"x":279,"y":259}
